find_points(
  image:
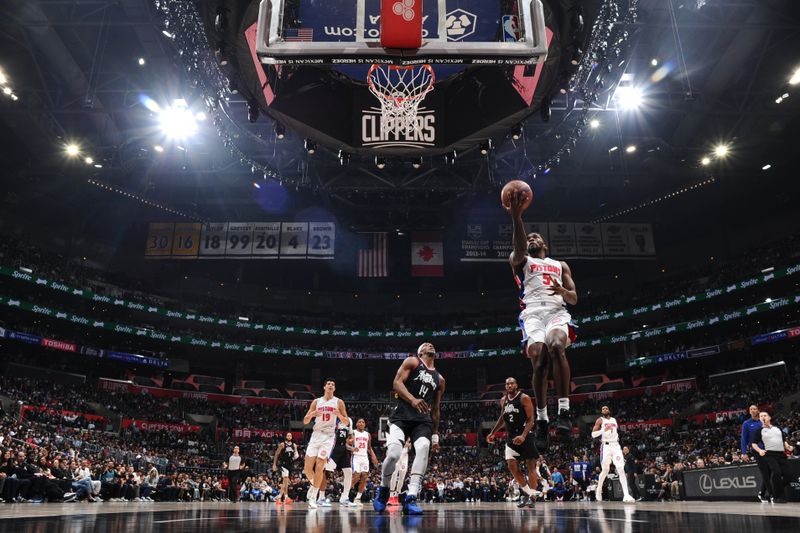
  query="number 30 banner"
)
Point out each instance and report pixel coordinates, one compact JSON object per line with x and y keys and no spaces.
{"x":241,"y":240}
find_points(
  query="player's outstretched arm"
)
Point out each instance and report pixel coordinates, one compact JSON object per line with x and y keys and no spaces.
{"x":312,"y":412}
{"x":519,"y":239}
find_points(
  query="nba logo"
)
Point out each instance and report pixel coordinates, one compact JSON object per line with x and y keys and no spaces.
{"x":401,"y":23}
{"x":510,"y":29}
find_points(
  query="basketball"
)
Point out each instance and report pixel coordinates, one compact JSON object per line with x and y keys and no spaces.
{"x":515,"y":186}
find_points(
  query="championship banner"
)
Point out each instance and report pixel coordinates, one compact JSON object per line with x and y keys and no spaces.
{"x":234,"y":323}
{"x":241,"y":240}
{"x":483,"y":241}
{"x":427,"y":254}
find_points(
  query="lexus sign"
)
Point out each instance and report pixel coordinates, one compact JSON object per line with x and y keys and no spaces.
{"x":709,"y":484}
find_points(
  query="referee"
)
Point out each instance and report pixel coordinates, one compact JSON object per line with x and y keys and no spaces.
{"x":749,"y":429}
{"x":234,"y":466}
{"x":773,"y":455}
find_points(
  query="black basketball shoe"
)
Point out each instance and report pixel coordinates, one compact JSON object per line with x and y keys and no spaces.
{"x":541,"y":435}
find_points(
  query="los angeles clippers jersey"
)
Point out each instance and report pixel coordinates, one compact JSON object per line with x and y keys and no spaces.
{"x":423,"y":382}
{"x":514,"y":416}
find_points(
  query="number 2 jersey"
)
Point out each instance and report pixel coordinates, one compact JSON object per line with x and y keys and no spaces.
{"x":423,"y":383}
{"x":514,"y":416}
{"x":535,"y":278}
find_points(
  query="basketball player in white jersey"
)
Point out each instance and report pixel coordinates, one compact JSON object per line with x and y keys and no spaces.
{"x":324,"y":411}
{"x":606,"y":428}
{"x":399,"y":476}
{"x":362,"y":454}
{"x":545,"y":286}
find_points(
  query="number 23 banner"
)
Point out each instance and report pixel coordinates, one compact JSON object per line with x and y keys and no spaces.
{"x":241,"y":240}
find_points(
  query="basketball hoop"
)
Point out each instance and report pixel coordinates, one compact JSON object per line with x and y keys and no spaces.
{"x":400,"y":90}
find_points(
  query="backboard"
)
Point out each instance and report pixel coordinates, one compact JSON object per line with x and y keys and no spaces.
{"x":348,"y":32}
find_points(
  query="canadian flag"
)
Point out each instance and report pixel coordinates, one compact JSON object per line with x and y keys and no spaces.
{"x":427,"y":257}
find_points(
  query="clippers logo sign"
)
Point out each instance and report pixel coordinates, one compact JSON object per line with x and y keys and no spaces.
{"x":386,"y":132}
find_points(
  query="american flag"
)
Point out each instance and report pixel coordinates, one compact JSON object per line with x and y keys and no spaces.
{"x":298,"y":35}
{"x":374,"y":261}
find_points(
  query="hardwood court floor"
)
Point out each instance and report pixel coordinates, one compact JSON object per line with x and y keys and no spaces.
{"x":607,"y":517}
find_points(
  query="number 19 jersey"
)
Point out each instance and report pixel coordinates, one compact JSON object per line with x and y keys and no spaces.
{"x":325,"y":421}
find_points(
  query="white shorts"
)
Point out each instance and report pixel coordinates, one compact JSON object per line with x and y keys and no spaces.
{"x":284,"y":472}
{"x":537,"y":323}
{"x":320,"y":445}
{"x":511,"y":454}
{"x":360,"y":464}
{"x":611,"y":452}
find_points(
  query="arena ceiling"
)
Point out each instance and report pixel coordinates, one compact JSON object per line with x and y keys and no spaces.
{"x":75,"y":67}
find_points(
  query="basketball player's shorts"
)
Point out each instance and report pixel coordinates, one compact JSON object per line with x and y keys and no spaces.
{"x":320,"y":445}
{"x":527,"y":450}
{"x":611,"y":452}
{"x":340,"y":458}
{"x":536,"y":323}
{"x":285,"y":471}
{"x":400,"y":430}
{"x":360,"y":464}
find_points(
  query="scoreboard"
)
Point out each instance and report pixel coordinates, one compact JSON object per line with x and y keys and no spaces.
{"x":241,"y":240}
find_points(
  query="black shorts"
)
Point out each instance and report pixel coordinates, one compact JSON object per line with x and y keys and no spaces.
{"x":342,"y":458}
{"x":527,"y":450}
{"x":413,"y":429}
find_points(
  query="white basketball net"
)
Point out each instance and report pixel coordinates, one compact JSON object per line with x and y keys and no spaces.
{"x":400,"y":90}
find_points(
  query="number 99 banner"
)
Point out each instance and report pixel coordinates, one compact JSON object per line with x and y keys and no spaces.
{"x":241,"y":240}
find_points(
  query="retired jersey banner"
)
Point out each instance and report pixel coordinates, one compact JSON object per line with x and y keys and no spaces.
{"x":427,"y":254}
{"x":482,"y":241}
{"x":241,"y":240}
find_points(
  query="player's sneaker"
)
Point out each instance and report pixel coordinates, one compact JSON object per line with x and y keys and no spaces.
{"x":598,"y":497}
{"x":312,"y":504}
{"x":541,"y":435}
{"x":628,"y":499}
{"x":288,"y":500}
{"x":523,"y":501}
{"x":381,"y":499}
{"x":325,"y":502}
{"x":410,"y":506}
{"x":344,"y":502}
{"x":564,"y":423}
{"x":393,"y":501}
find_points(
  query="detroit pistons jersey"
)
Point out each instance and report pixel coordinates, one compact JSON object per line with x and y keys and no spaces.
{"x":609,"y":427}
{"x":325,"y":421}
{"x":535,"y":278}
{"x":514,"y":415}
{"x":361,"y":443}
{"x":422,"y":382}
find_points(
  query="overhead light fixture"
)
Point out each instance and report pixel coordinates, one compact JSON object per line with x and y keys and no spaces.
{"x":654,"y":62}
{"x":3,"y":78}
{"x":768,"y":301}
{"x":167,"y":34}
{"x":252,"y":111}
{"x":630,"y":149}
{"x":88,"y":161}
{"x":158,"y":148}
{"x":795,"y":79}
{"x":486,"y":147}
{"x":613,"y":149}
{"x":705,"y":161}
{"x":178,"y":121}
{"x":7,"y":90}
{"x":417,"y":163}
{"x":629,"y":98}
{"x":344,"y":158}
{"x":98,"y":165}
{"x":721,"y":150}
{"x":380,"y":162}
{"x":72,"y":149}
{"x":200,"y":116}
{"x":594,"y":124}
{"x":516,"y":132}
{"x":766,"y":167}
{"x":141,"y":62}
{"x":280,"y":131}
{"x":310,"y":146}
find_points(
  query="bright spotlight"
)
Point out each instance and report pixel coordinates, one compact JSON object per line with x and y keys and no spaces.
{"x":594,"y":124}
{"x":7,"y":90}
{"x":630,"y":149}
{"x":3,"y":78}
{"x":721,"y":150}
{"x":158,"y":148}
{"x":200,"y":116}
{"x":795,"y":79}
{"x":766,"y":167}
{"x":88,"y":161}
{"x":705,"y":161}
{"x":654,"y":62}
{"x":629,"y":98}
{"x":142,"y":62}
{"x":72,"y":150}
{"x":178,"y":122}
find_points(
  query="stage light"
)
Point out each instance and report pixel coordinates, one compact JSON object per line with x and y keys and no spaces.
{"x":310,"y":146}
{"x":654,"y":62}
{"x":257,"y":186}
{"x":795,"y":79}
{"x":380,"y":162}
{"x":613,"y":149}
{"x":280,"y":130}
{"x":594,"y":124}
{"x":721,"y":150}
{"x":72,"y":149}
{"x":629,"y":98}
{"x":630,"y":149}
{"x":177,"y":121}
{"x":200,"y":116}
{"x":766,"y":167}
{"x":516,"y":132}
{"x":98,"y":165}
{"x":7,"y":90}
{"x":768,"y":301}
{"x":417,"y":163}
{"x":486,"y":147}
{"x":3,"y":78}
{"x":142,"y":62}
{"x":158,"y":148}
{"x":705,"y":161}
{"x":88,"y":161}
{"x":167,"y":34}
